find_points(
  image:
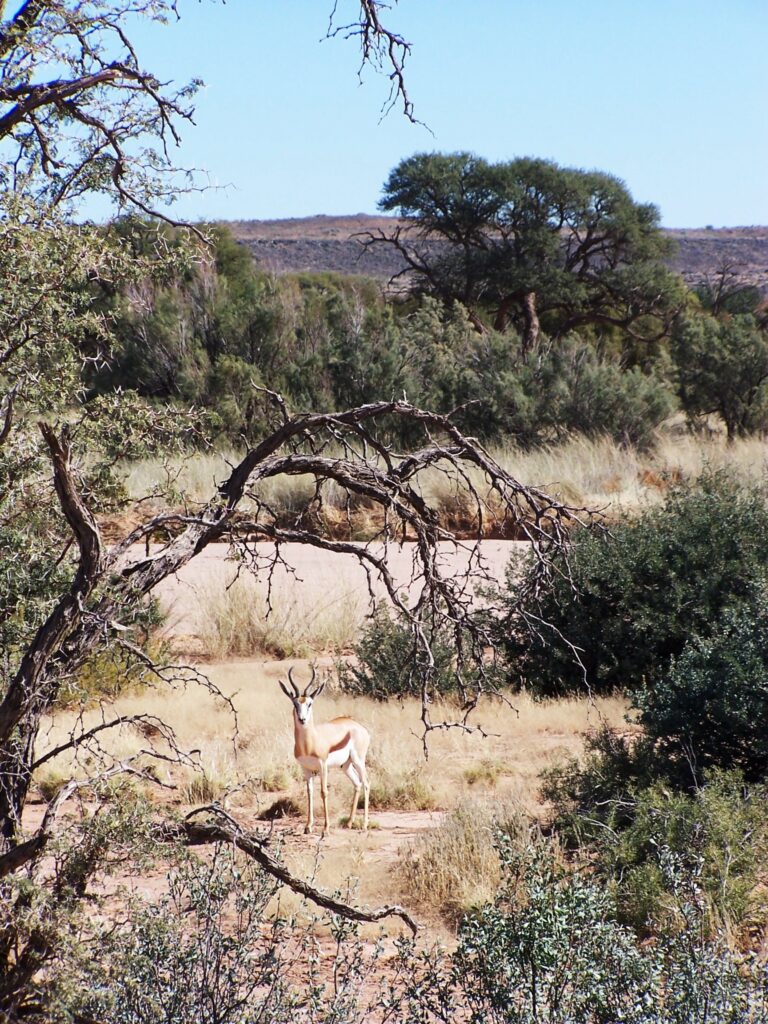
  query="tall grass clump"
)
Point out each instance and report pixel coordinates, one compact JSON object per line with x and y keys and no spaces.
{"x":239,"y":621}
{"x":456,"y":866}
{"x":401,"y":790}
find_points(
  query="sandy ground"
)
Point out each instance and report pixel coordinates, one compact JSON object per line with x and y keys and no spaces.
{"x":316,"y":574}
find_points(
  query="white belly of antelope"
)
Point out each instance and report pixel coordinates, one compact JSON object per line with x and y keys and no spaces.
{"x":336,"y":759}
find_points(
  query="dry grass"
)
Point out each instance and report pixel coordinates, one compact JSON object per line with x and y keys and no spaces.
{"x":238,"y":620}
{"x":524,"y":738}
{"x":401,"y":790}
{"x":195,"y":478}
{"x":485,"y":772}
{"x":592,"y":472}
{"x":600,"y":473}
{"x":455,"y":866}
{"x":248,"y":771}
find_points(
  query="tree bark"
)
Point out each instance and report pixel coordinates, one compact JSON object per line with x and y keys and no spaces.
{"x":532,"y":326}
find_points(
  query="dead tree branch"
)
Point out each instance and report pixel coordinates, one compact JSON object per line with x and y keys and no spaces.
{"x":227,"y":830}
{"x":381,"y":48}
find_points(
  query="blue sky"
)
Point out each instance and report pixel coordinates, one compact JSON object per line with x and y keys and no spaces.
{"x":670,"y":95}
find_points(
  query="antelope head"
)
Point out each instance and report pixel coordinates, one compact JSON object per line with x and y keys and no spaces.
{"x":302,"y":701}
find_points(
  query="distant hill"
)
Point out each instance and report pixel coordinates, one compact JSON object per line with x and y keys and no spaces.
{"x":330,"y":243}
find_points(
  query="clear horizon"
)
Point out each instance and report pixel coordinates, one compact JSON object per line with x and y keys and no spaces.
{"x":668,"y":98}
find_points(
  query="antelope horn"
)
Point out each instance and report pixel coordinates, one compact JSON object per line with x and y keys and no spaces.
{"x":293,"y":683}
{"x":311,"y":682}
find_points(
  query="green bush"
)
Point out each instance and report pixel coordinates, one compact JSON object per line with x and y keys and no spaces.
{"x":390,"y":662}
{"x":718,"y":833}
{"x":630,"y":598}
{"x":597,"y":791}
{"x":554,"y":391}
{"x":722,"y":367}
{"x":211,"y":952}
{"x":708,"y":710}
{"x":550,"y":948}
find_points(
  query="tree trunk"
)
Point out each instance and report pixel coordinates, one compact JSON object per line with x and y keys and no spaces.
{"x":501,"y":320}
{"x":532,"y":326}
{"x":15,"y":776}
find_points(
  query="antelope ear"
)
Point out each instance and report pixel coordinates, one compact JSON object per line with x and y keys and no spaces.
{"x":285,"y":690}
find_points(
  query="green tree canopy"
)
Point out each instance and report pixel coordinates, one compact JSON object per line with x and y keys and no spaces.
{"x":530,"y":241}
{"x":722,"y":367}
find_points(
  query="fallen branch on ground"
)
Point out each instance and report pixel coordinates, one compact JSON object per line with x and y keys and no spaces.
{"x":228,"y":830}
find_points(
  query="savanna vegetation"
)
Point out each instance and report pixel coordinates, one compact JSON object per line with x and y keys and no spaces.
{"x":537,"y":316}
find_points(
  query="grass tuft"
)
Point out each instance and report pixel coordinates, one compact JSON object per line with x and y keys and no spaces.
{"x":401,"y":791}
{"x":485,"y":772}
{"x":456,"y":867}
{"x":275,"y":779}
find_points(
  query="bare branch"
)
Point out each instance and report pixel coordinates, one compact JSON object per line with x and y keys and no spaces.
{"x":227,"y":830}
{"x":21,"y":854}
{"x":380,"y":47}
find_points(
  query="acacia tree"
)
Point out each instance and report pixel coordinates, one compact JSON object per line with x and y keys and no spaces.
{"x":99,"y":122}
{"x":531,"y":242}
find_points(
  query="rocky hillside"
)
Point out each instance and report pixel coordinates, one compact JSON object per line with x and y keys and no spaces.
{"x":336,"y":243}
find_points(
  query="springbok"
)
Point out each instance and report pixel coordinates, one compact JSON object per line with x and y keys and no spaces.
{"x":340,"y":743}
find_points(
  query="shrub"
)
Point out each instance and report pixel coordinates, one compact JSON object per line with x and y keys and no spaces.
{"x":113,"y":671}
{"x":389,"y":661}
{"x":556,"y":390}
{"x":212,"y":952}
{"x":719,"y":834}
{"x":610,"y":808}
{"x":632,"y":597}
{"x":549,"y":945}
{"x":597,"y":791}
{"x":550,"y":948}
{"x":708,"y":709}
{"x":486,"y":772}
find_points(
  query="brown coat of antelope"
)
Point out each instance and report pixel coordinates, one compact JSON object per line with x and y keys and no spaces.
{"x":341,"y":743}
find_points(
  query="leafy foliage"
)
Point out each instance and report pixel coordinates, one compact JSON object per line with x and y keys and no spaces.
{"x":550,"y":948}
{"x":617,"y":807}
{"x":209,"y":951}
{"x":722,"y":367}
{"x":708,"y":709}
{"x":645,"y":589}
{"x":387,"y":662}
{"x":183,"y":958}
{"x":556,"y":390}
{"x":528,"y":239}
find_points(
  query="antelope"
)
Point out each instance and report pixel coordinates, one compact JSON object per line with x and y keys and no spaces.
{"x":340,"y":743}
